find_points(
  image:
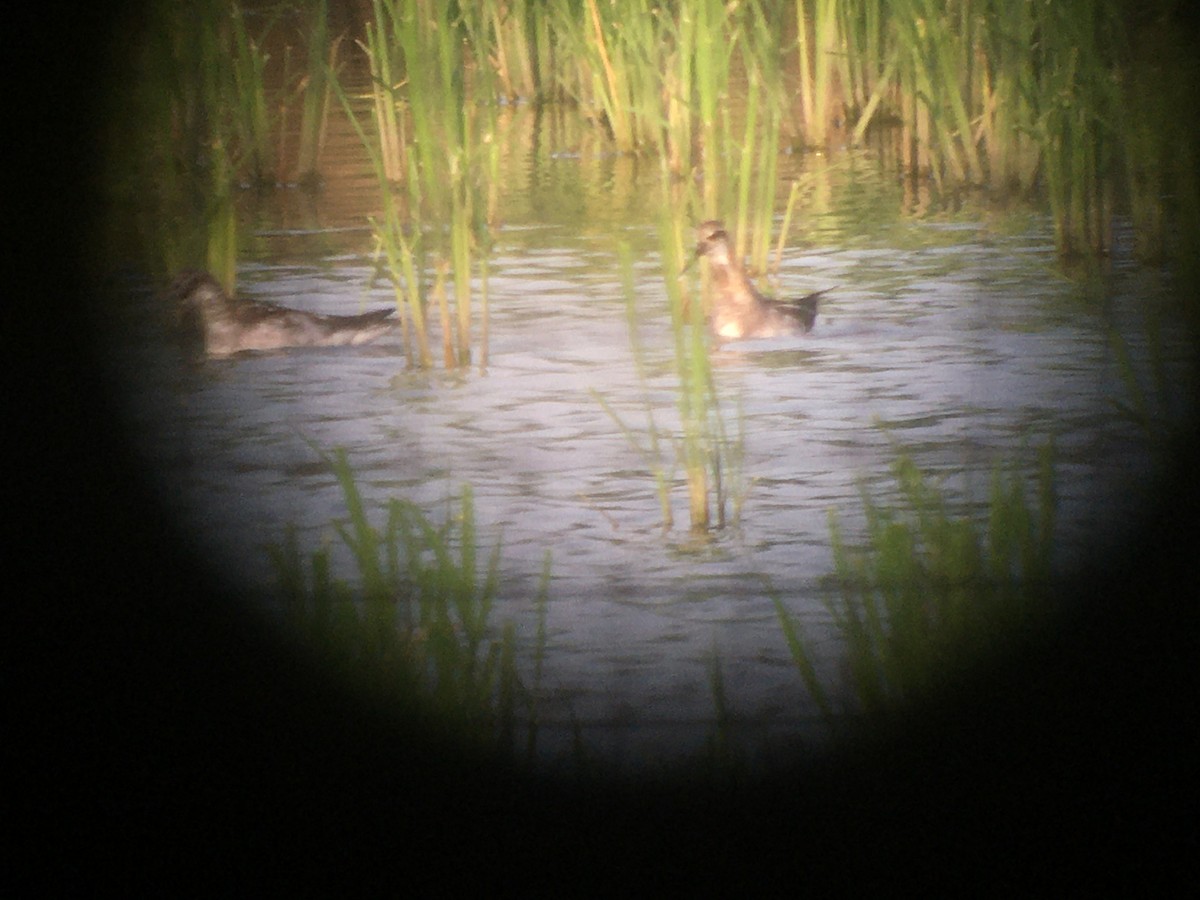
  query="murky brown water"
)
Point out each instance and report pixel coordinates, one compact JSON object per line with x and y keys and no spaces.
{"x":953,"y":336}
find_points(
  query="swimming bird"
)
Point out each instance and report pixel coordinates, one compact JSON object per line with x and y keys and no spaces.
{"x":230,"y":325}
{"x":739,"y":310}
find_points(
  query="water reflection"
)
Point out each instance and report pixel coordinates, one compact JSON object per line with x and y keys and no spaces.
{"x":952,"y":338}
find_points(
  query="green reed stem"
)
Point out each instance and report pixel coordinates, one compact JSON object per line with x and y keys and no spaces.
{"x":249,"y":99}
{"x":392,"y":146}
{"x":322,"y":57}
{"x":817,"y":61}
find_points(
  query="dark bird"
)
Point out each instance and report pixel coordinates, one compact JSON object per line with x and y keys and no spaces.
{"x":739,"y":310}
{"x":230,"y":325}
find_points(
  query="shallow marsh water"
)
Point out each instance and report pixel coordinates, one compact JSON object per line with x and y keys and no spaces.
{"x":953,"y":337}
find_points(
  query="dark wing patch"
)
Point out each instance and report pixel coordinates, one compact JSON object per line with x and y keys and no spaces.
{"x":805,"y":309}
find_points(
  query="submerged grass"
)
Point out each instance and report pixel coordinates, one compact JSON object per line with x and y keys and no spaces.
{"x":417,"y":629}
{"x":931,"y":592}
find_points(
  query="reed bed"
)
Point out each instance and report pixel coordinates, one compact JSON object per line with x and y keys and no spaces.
{"x":322,"y":57}
{"x":1060,"y":101}
{"x":1067,"y":102}
{"x":205,"y":120}
{"x":250,"y":109}
{"x":1013,"y":97}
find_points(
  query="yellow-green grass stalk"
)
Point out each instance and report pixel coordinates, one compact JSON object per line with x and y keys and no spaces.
{"x":281,"y":147}
{"x":881,"y":87}
{"x":547,"y":47}
{"x":461,"y":226}
{"x":715,"y":42}
{"x":745,"y":147}
{"x":762,"y":213}
{"x":221,"y":251}
{"x":817,"y":58}
{"x":449,"y":168}
{"x":510,"y":60}
{"x":385,"y":82}
{"x":209,"y":103}
{"x":620,"y":52}
{"x":757,"y":148}
{"x":179,"y":145}
{"x":755,"y":178}
{"x":402,"y":246}
{"x":248,"y":99}
{"x":1074,"y":167}
{"x":452,"y":165}
{"x":691,"y":448}
{"x":929,"y":53}
{"x":863,"y":27}
{"x":520,"y":47}
{"x":611,"y":81}
{"x":484,"y":312}
{"x":675,"y":148}
{"x":322,"y":57}
{"x":1008,"y":90}
{"x":701,"y":446}
{"x":443,"y":305}
{"x":1147,"y":407}
{"x":762,"y":58}
{"x":1161,"y":147}
{"x":1083,"y":109}
{"x":651,"y":456}
{"x":786,"y":225}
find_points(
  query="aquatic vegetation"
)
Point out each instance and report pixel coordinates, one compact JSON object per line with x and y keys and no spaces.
{"x":1061,"y":102}
{"x":416,"y":629}
{"x":322,"y":57}
{"x":705,"y":449}
{"x":932,"y":592}
{"x":1064,"y":102}
{"x":252,"y":129}
{"x":204,"y":120}
{"x":817,"y":57}
{"x":710,"y":457}
{"x":1015,"y":96}
{"x":440,"y":148}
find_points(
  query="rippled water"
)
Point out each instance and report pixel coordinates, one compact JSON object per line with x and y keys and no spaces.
{"x":953,"y":337}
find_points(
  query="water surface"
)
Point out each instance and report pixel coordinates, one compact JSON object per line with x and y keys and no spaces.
{"x":953,"y":336}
